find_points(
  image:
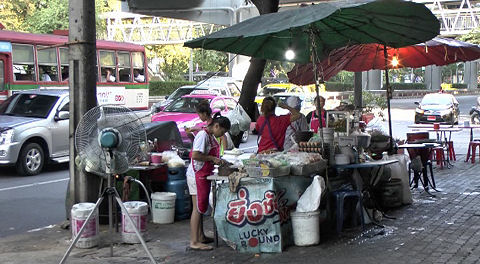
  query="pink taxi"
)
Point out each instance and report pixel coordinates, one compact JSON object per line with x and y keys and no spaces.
{"x":182,"y":111}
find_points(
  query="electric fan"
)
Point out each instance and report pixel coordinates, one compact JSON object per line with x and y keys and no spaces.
{"x":108,"y":139}
{"x":104,"y":129}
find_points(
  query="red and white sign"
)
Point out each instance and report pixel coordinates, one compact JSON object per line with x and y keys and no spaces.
{"x":111,"y":95}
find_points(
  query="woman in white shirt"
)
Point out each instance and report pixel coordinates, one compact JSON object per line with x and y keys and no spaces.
{"x":204,"y":155}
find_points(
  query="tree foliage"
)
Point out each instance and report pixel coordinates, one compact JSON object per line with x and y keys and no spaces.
{"x":210,"y":60}
{"x":472,"y":37}
{"x":175,"y":60}
{"x":44,"y":16}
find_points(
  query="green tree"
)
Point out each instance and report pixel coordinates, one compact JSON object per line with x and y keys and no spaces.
{"x":44,"y":16}
{"x":14,"y":13}
{"x":210,"y":60}
{"x":472,"y":37}
{"x":174,"y":60}
{"x":343,"y":77}
{"x":281,"y":68}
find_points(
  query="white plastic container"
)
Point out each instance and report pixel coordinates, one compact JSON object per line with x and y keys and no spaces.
{"x":79,"y":214}
{"x":138,"y":211}
{"x":163,"y":207}
{"x":306,"y":228}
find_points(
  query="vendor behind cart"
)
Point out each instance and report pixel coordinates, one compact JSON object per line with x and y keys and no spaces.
{"x":271,"y":128}
{"x":204,"y":112}
{"x":296,"y":126}
{"x":205,"y":154}
{"x":313,"y":117}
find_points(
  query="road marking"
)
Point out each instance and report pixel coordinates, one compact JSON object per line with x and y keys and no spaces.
{"x":41,"y":228}
{"x":33,"y":184}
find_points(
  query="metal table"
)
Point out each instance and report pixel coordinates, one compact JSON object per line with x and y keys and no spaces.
{"x":371,"y":183}
{"x":426,"y":181}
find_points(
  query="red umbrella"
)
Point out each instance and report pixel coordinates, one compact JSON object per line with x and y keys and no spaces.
{"x":364,"y":57}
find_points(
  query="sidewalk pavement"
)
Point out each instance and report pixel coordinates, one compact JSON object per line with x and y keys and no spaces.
{"x":440,"y":229}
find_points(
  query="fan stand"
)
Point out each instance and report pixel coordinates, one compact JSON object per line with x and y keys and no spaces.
{"x":111,"y":192}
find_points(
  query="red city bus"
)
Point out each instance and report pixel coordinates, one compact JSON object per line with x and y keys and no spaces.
{"x":34,"y":61}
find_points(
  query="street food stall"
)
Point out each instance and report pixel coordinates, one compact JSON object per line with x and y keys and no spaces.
{"x":254,"y":214}
{"x":254,"y":199}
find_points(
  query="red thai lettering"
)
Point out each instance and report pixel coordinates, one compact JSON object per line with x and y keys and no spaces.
{"x":255,"y":213}
{"x":237,"y":208}
{"x":269,"y":204}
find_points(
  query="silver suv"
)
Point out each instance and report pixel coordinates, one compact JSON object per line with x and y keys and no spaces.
{"x":34,"y":130}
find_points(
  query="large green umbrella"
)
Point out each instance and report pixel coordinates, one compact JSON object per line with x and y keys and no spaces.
{"x":323,"y":27}
{"x":313,"y":31}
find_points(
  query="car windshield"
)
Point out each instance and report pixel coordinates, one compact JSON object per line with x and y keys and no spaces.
{"x":180,"y":92}
{"x":436,"y":99}
{"x":185,"y":105}
{"x":284,"y":98}
{"x":28,"y":105}
{"x":268,"y":91}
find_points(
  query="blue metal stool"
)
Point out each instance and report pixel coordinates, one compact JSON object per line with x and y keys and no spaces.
{"x":340,"y":197}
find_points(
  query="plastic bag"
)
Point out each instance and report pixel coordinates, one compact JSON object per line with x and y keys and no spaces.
{"x":310,"y":199}
{"x":239,"y":119}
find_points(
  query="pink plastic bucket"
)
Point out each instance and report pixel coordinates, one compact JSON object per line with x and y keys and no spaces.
{"x":156,"y":158}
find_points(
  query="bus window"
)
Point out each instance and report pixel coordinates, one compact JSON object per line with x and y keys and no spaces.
{"x":124,"y":67}
{"x":108,"y":67}
{"x":47,"y":64}
{"x":64,"y":63}
{"x":23,"y":63}
{"x":138,"y":68}
{"x":2,"y":76}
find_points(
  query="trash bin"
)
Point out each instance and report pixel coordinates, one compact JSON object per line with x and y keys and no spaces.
{"x":306,"y":228}
{"x":163,"y":207}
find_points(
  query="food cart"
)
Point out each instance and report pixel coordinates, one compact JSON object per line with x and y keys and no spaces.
{"x":256,"y":216}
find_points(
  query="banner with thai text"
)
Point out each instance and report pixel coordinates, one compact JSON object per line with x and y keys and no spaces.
{"x":257,"y":217}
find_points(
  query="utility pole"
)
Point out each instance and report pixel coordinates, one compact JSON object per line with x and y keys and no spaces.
{"x":83,"y":187}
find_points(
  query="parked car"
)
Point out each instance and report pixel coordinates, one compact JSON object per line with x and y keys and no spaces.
{"x":182,"y":111}
{"x":179,"y":92}
{"x":437,"y":108}
{"x":34,"y":130}
{"x":272,"y":89}
{"x":221,"y":86}
{"x":307,"y":102}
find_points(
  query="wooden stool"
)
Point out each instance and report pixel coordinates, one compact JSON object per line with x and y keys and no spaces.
{"x":472,"y":148}
{"x":439,"y":156}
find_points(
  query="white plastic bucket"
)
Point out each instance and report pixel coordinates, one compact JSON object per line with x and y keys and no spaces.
{"x":306,"y":228}
{"x":138,"y":211}
{"x":79,"y":214}
{"x":163,"y":207}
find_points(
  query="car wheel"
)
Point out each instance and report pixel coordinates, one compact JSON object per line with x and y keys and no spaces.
{"x":31,"y":160}
{"x":245,"y":136}
{"x":475,"y":119}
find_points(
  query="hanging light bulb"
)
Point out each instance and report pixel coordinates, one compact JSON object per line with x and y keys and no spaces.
{"x":394,"y":61}
{"x":289,"y":54}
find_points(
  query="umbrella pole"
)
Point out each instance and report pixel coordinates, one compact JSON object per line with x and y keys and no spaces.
{"x":317,"y":106}
{"x":315,"y":75}
{"x":389,"y":95}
